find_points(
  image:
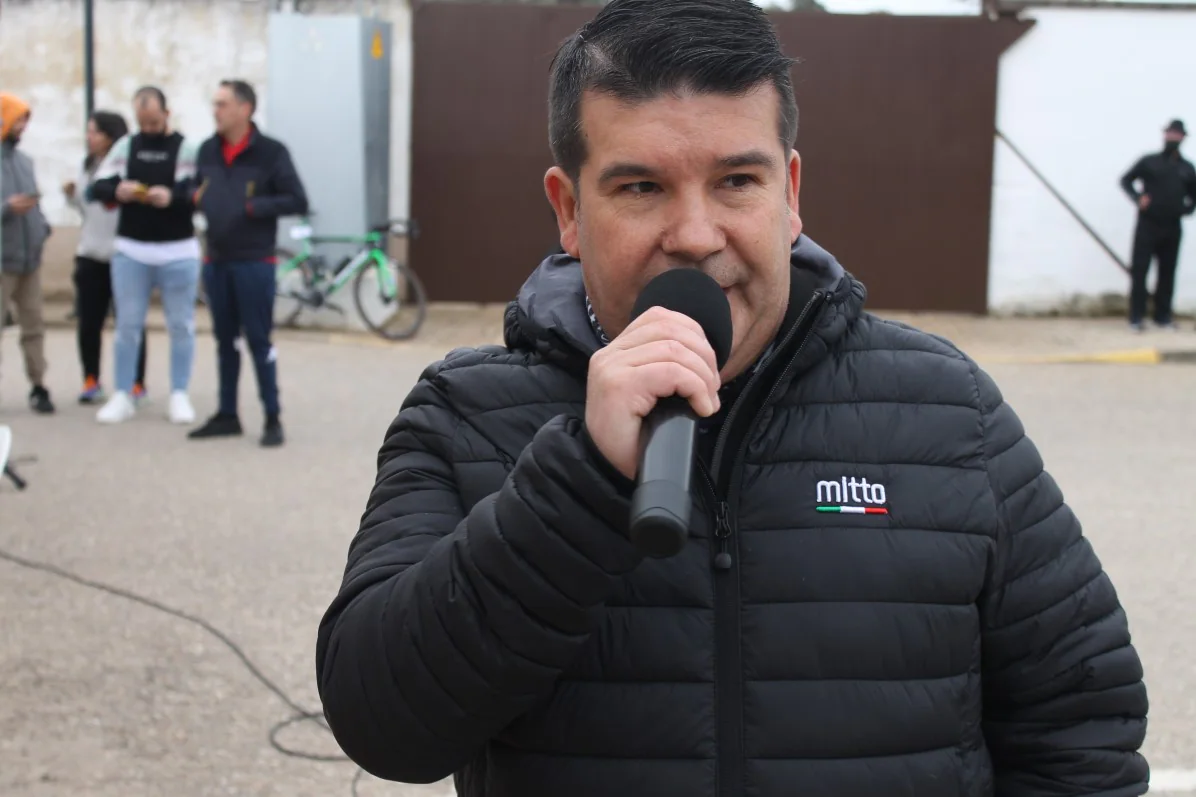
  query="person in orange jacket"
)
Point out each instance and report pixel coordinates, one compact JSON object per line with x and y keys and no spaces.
{"x":23,"y":236}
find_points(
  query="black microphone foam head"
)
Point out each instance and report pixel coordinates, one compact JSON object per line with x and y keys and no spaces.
{"x":697,"y":295}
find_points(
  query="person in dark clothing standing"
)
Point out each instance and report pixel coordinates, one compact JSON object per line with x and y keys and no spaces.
{"x":882,"y":592}
{"x":244,"y":182}
{"x":1168,"y":194}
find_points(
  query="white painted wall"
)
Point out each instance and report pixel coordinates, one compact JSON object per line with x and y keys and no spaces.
{"x":184,"y":46}
{"x":1083,"y":95}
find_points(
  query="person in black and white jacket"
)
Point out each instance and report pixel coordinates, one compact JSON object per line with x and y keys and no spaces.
{"x":156,"y":246}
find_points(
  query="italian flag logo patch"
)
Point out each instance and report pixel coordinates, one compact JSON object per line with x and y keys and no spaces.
{"x":852,"y":496}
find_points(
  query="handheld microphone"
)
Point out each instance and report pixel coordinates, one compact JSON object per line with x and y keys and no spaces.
{"x":660,"y":507}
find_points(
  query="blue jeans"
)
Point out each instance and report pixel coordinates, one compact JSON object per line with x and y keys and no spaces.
{"x":132,"y":283}
{"x":241,"y":298}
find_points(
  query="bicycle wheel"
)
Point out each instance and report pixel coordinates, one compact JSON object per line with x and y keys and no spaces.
{"x":394,"y":317}
{"x":291,"y":289}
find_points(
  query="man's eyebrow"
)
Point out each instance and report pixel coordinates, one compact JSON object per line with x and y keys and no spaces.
{"x":753,"y":157}
{"x":618,"y":171}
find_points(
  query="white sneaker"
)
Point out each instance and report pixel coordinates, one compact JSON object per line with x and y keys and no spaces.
{"x":118,"y":409}
{"x":181,"y":410}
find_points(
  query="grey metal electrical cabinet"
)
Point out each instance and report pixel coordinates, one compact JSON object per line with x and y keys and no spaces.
{"x":329,"y":101}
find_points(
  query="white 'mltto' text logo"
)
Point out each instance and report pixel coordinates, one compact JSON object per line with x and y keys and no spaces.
{"x":852,"y":496}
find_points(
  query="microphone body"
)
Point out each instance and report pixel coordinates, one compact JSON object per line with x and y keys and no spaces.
{"x":661,"y":505}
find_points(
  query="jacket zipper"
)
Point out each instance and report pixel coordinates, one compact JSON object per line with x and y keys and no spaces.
{"x":28,"y":266}
{"x":728,"y":660}
{"x":722,"y":521}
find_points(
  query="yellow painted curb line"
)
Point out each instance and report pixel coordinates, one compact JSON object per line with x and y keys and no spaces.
{"x":1116,"y":357}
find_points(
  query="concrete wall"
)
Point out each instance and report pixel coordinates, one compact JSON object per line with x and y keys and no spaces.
{"x":1083,"y":95}
{"x":183,"y":46}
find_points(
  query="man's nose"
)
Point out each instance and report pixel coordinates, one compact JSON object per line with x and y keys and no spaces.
{"x":694,"y":231}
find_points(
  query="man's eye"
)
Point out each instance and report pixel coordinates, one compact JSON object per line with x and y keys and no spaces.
{"x":739,"y":180}
{"x":642,"y":187}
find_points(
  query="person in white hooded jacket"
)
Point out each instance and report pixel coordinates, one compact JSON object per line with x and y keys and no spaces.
{"x":93,"y":257}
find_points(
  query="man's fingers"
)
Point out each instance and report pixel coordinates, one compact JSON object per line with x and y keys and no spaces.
{"x":663,"y":379}
{"x":667,"y":325}
{"x":663,"y":351}
{"x":657,"y":314}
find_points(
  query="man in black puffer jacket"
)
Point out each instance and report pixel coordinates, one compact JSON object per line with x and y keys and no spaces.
{"x":495,"y":622}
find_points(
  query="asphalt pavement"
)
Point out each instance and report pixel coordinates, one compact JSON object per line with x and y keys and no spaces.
{"x":103,"y":694}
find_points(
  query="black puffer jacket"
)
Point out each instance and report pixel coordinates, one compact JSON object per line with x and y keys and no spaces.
{"x":495,"y":622}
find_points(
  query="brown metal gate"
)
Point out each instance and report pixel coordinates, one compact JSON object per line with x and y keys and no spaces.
{"x":896,"y":126}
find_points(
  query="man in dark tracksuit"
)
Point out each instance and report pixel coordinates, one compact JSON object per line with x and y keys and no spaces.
{"x":244,"y":182}
{"x":1168,"y":194}
{"x":882,"y":593}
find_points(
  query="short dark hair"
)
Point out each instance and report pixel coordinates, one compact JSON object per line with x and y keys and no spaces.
{"x":640,"y":49}
{"x":154,"y":92}
{"x":242,"y":91}
{"x":112,"y":125}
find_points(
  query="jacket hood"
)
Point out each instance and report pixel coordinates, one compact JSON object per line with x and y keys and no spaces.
{"x":12,"y":108}
{"x":550,"y":317}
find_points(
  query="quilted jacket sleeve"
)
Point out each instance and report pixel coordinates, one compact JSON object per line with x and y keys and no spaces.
{"x":1064,"y":703}
{"x":450,"y":624}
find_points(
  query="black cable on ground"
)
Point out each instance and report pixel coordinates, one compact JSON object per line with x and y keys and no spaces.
{"x":301,"y":714}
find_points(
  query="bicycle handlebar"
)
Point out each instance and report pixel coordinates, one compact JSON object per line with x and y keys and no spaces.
{"x":398,"y":227}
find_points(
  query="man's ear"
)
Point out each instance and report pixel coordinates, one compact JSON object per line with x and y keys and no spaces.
{"x":793,"y":190}
{"x":562,"y":195}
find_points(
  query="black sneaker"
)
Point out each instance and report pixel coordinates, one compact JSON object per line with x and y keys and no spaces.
{"x":272,"y":435}
{"x":219,"y":425}
{"x":39,"y":400}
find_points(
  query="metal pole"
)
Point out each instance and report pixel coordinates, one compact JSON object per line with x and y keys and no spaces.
{"x":89,"y":71}
{"x":1066,"y":205}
